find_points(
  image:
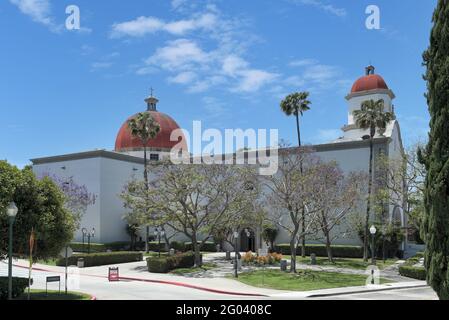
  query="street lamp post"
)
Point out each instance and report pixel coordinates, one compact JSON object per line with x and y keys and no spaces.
{"x":373,"y":231}
{"x":11,"y":212}
{"x":88,"y":234}
{"x":236,"y":260}
{"x":159,"y":232}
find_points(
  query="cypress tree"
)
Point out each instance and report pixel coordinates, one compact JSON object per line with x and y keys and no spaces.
{"x":436,"y":156}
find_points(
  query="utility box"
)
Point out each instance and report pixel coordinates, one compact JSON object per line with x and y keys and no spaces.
{"x":283,"y":265}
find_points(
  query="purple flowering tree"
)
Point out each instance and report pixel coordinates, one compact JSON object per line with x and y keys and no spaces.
{"x":78,"y":197}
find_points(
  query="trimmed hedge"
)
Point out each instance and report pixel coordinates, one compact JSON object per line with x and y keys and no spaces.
{"x":167,"y":264}
{"x":102,"y":259}
{"x":154,"y":246}
{"x":338,"y":251}
{"x":94,"y":247}
{"x":418,"y":273}
{"x":207,"y":246}
{"x":178,"y":246}
{"x":18,"y":287}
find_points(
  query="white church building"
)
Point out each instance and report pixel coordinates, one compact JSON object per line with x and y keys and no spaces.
{"x":105,"y":173}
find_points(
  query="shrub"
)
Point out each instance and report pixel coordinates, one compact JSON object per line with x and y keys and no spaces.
{"x":178,"y":246}
{"x":206,"y":247}
{"x":102,"y":259}
{"x":18,"y":287}
{"x":167,"y":264}
{"x":408,"y":271}
{"x":248,"y":257}
{"x":94,"y":247}
{"x":154,"y":246}
{"x":338,"y":251}
{"x":119,"y":246}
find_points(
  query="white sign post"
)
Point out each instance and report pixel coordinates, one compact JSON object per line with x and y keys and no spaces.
{"x":66,"y":253}
{"x":263,"y":253}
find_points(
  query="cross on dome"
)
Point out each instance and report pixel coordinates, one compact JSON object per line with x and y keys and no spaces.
{"x":151,"y":101}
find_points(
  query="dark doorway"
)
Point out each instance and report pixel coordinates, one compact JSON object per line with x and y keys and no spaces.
{"x":247,"y":240}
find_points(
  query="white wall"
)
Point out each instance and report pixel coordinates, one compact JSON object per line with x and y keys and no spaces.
{"x":84,"y":172}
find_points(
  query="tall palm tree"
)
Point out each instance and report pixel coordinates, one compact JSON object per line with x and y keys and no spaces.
{"x":144,"y":127}
{"x":371,"y":116}
{"x":296,"y":104}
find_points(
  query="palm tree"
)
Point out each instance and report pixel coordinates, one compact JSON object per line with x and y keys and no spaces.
{"x":144,"y":127}
{"x":373,"y":117}
{"x":296,"y":104}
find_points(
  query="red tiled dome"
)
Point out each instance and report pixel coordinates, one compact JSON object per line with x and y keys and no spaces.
{"x":126,"y":142}
{"x":369,"y":82}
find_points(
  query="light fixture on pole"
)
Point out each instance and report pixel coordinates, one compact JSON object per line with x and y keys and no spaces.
{"x":11,"y":211}
{"x":159,"y":232}
{"x":373,"y":231}
{"x":89,"y":235}
{"x":236,"y":260}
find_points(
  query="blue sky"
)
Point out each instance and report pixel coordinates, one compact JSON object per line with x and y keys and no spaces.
{"x":226,"y":63}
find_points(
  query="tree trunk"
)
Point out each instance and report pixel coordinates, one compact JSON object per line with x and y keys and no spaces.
{"x":145,"y":178}
{"x":329,"y":247}
{"x":196,"y":251}
{"x":368,"y":205}
{"x":293,"y":255}
{"x":303,"y":226}
{"x":293,"y":242}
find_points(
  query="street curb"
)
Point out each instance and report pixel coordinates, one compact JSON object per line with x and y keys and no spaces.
{"x":192,"y":286}
{"x":321,"y":295}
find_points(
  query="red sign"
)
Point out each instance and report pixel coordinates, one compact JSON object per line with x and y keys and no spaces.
{"x":113,"y":274}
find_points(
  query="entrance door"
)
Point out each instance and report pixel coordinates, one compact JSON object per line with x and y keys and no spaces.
{"x":247,"y":240}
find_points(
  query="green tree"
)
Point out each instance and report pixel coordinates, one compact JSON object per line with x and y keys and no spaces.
{"x":145,"y":128}
{"x":436,"y":155}
{"x":296,"y":104}
{"x":41,"y":206}
{"x":373,"y":117}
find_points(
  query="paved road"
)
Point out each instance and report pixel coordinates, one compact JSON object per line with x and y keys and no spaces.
{"x":403,"y":294}
{"x":94,"y":281}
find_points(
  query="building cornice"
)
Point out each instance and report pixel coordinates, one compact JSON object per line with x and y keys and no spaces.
{"x":369,"y":92}
{"x":88,"y":155}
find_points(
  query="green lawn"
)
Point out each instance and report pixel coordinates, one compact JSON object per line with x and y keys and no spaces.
{"x":204,"y":267}
{"x":348,"y":263}
{"x":54,"y":295}
{"x":302,"y":281}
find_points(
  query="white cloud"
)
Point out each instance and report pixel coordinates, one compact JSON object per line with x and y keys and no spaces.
{"x":38,"y":10}
{"x":253,"y":80}
{"x":178,"y":54}
{"x":183,"y":78}
{"x":143,"y":26}
{"x":176,"y":4}
{"x":232,"y":64}
{"x":302,"y":62}
{"x":320,"y":73}
{"x":137,"y":28}
{"x":329,"y":8}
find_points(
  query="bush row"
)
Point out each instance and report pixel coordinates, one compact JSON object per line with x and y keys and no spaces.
{"x":18,"y":287}
{"x":207,"y":246}
{"x":408,"y":271}
{"x":126,"y":246}
{"x":338,"y":251}
{"x":167,"y":264}
{"x":102,"y":258}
